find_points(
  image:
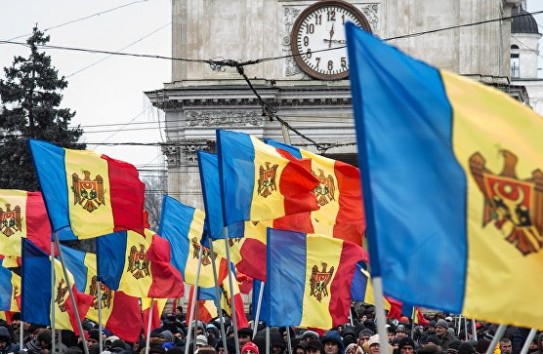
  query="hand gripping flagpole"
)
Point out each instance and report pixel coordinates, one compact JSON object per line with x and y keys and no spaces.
{"x":194,"y":299}
{"x":150,"y":320}
{"x":232,"y":299}
{"x":72,"y":297}
{"x":218,"y":295}
{"x":53,"y":281}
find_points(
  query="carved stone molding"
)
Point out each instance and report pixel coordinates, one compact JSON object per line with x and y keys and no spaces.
{"x":216,"y":118}
{"x":184,"y":153}
{"x":371,"y":11}
{"x":290,"y":13}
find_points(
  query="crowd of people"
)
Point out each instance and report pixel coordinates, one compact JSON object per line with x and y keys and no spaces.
{"x":441,"y":336}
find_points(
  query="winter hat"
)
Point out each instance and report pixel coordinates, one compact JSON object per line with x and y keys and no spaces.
{"x":206,"y":349}
{"x":111,"y":339}
{"x":4,"y":335}
{"x":166,"y":335}
{"x":246,"y":331}
{"x":373,"y":340}
{"x":315,"y":344}
{"x":250,"y":346}
{"x":442,"y":323}
{"x":406,"y":341}
{"x":45,"y":336}
{"x":310,"y":334}
{"x":201,"y":339}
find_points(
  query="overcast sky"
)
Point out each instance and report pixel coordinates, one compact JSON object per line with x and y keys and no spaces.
{"x":108,"y":90}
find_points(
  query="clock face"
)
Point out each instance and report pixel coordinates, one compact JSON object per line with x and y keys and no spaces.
{"x":318,"y":38}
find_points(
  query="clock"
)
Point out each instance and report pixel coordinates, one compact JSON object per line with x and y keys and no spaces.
{"x":318,"y":41}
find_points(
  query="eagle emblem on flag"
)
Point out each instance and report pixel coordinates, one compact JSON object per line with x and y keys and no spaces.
{"x":326,"y":189}
{"x":10,"y":220}
{"x":105,"y":294}
{"x":266,"y":181}
{"x":138,"y":263}
{"x":88,"y":193}
{"x":206,"y":253}
{"x":319,"y":281}
{"x":62,"y":289}
{"x":513,"y":205}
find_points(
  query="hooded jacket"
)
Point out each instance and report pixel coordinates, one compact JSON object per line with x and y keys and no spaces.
{"x":6,"y":337}
{"x":333,"y":336}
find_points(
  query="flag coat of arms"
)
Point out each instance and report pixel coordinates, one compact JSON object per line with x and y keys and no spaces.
{"x":23,"y":214}
{"x":90,"y":194}
{"x":258,"y":183}
{"x":452,"y":177}
{"x":138,"y":265}
{"x":121,"y":314}
{"x":36,"y":293}
{"x":309,"y":279}
{"x":339,"y":195}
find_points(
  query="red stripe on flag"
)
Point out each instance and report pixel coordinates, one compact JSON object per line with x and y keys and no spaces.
{"x":340,"y":288}
{"x":126,"y":195}
{"x":83,"y":303}
{"x":296,"y":185}
{"x":167,"y":282}
{"x":125,"y":318}
{"x":38,"y":229}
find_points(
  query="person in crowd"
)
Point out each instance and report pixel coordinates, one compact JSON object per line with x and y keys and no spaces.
{"x":333,"y":343}
{"x":353,"y":348}
{"x":6,"y":345}
{"x":249,"y":348}
{"x":430,"y":330}
{"x":374,"y":347}
{"x":314,"y":346}
{"x":309,"y":335}
{"x":363,"y":339}
{"x":401,"y":332}
{"x":299,"y":348}
{"x":348,"y":335}
{"x":466,"y":348}
{"x":213,"y":334}
{"x":206,"y":349}
{"x":277,"y":342}
{"x":201,"y":341}
{"x":406,"y":345}
{"x":245,"y":335}
{"x":506,"y":347}
{"x":444,"y":336}
{"x":535,"y":345}
{"x":41,"y":344}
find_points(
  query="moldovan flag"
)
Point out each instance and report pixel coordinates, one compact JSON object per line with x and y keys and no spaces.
{"x":23,"y":214}
{"x":37,"y":295}
{"x":183,"y":227}
{"x":258,"y":183}
{"x":155,"y":313}
{"x":10,"y":290}
{"x":138,"y":265}
{"x":91,"y":194}
{"x":362,"y":289}
{"x":121,"y":314}
{"x":338,"y":194}
{"x":453,"y":186}
{"x":225,"y":302}
{"x":309,"y":279}
{"x":206,"y":308}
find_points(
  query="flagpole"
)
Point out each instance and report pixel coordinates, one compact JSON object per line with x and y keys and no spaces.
{"x":218,"y":295}
{"x":289,"y":343}
{"x":474,"y":329}
{"x":499,"y":334}
{"x":466,"y":327}
{"x":413,"y":314}
{"x":99,"y":299}
{"x":53,"y":281}
{"x":528,"y":341}
{"x":258,"y":307}
{"x":231,"y":283}
{"x":194,"y":298}
{"x":72,"y":297}
{"x":21,"y":334}
{"x":459,"y":325}
{"x":267,"y":339}
{"x":149,"y":321}
{"x":377,"y":282}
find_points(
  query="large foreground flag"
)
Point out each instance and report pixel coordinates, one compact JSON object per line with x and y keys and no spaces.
{"x":452,"y":178}
{"x":91,"y":194}
{"x":340,"y":213}
{"x":121,"y":314}
{"x":22,"y":214}
{"x":138,"y":265}
{"x":309,"y":279}
{"x":258,"y":183}
{"x":37,"y":295}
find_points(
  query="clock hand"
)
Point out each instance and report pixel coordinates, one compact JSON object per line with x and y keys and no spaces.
{"x":331,"y":35}
{"x":340,"y":41}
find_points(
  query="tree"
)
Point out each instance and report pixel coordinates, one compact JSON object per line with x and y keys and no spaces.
{"x":31,"y":97}
{"x":155,"y":188}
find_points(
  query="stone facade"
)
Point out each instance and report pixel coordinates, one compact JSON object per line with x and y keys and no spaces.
{"x":201,"y":98}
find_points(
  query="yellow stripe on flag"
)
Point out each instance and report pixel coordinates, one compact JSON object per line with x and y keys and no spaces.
{"x":88,"y":193}
{"x":10,"y":237}
{"x":137,"y":280}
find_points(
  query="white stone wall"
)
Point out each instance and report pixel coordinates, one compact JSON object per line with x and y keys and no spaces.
{"x":528,"y":44}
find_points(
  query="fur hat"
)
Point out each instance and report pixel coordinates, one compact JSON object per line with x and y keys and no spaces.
{"x":406,"y":341}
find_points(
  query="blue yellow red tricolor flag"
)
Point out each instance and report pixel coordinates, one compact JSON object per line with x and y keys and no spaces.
{"x":155,"y":313}
{"x":139,"y":265}
{"x":258,"y":183}
{"x":362,"y":289}
{"x":206,"y":308}
{"x":23,"y":214}
{"x":452,"y":178}
{"x":121,"y":314}
{"x":309,"y":279}
{"x":10,"y":290}
{"x":36,"y":293}
{"x":89,"y":193}
{"x":340,"y":213}
{"x":183,"y":227}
